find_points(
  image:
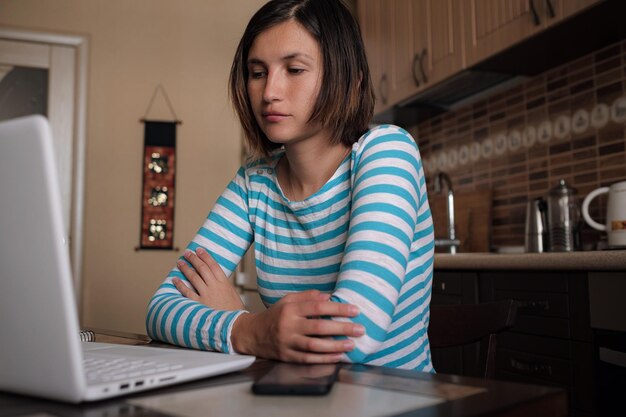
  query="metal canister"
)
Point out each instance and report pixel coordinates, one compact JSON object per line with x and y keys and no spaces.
{"x":536,"y":232}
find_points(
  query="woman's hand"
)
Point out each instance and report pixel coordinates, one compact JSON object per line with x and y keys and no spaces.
{"x":291,"y":330}
{"x":210,"y":285}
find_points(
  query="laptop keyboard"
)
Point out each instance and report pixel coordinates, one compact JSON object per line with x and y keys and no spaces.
{"x":116,"y":369}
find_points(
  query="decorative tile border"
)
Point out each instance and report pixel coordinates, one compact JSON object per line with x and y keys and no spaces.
{"x":568,"y":122}
{"x":546,"y":132}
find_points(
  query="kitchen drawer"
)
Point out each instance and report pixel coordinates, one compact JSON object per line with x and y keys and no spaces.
{"x":581,"y":386}
{"x":528,"y":281}
{"x":458,"y":360}
{"x":446,"y":299}
{"x":456,"y":283}
{"x":537,"y":304}
{"x":538,"y":345}
{"x":542,"y":326}
{"x":448,"y":283}
{"x":536,"y":367}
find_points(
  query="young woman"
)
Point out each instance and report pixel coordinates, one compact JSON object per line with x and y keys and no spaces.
{"x":338,"y":214}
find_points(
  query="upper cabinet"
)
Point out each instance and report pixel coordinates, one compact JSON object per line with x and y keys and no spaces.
{"x":440,"y":51}
{"x":413,"y":44}
{"x":494,"y":25}
{"x":410,"y":44}
{"x":369,"y":15}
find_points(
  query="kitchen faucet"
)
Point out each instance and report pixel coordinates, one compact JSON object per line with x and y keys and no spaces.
{"x":451,"y":242}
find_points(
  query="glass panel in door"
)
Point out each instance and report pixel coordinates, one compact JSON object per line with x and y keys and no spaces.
{"x":23,"y":91}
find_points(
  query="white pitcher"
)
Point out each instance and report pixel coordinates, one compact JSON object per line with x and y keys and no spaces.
{"x":615,"y":213}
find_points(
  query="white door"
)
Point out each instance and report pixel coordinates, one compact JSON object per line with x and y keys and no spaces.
{"x":41,"y":74}
{"x":39,"y":79}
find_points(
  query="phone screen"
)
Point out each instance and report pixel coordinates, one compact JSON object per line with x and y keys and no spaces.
{"x":296,"y":379}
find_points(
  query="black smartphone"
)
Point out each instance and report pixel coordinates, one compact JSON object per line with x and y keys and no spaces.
{"x":297,"y":379}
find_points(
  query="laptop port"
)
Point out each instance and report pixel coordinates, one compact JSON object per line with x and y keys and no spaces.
{"x":124,"y":386}
{"x":138,"y":383}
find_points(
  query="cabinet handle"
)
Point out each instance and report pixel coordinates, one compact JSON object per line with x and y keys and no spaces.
{"x":551,"y":12}
{"x":534,"y":305}
{"x":531,"y":368}
{"x":422,"y":56}
{"x":533,"y":11}
{"x":416,"y":61}
{"x":383,"y":87}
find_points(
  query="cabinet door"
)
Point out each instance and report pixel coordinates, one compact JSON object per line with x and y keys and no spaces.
{"x":387,"y":29}
{"x":437,"y":39}
{"x":400,"y":24}
{"x":375,"y":38}
{"x":493,"y":25}
{"x":425,"y":44}
{"x":456,"y":288}
{"x":557,"y":10}
{"x":410,"y":44}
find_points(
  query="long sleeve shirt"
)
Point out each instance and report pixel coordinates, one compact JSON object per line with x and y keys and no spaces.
{"x":366,"y":237}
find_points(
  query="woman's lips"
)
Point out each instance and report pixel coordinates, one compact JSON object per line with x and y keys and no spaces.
{"x":274,"y":117}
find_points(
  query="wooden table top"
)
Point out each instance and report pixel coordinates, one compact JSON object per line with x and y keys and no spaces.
{"x":462,"y":396}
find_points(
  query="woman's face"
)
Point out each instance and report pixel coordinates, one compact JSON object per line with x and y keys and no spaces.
{"x":285,"y":73}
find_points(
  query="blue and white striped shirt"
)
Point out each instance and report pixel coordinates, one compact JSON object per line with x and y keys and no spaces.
{"x":366,"y":237}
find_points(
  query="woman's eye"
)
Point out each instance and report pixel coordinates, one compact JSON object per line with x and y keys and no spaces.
{"x":296,"y":70}
{"x":257,"y":74}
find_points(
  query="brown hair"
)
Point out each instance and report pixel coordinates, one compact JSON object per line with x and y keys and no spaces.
{"x":345,"y":103}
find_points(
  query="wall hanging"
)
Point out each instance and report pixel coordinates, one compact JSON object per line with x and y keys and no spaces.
{"x":159,"y":175}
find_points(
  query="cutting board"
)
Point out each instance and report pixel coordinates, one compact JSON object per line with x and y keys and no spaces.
{"x":472,"y":210}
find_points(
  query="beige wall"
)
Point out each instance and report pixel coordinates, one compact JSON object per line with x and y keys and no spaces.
{"x":135,"y":45}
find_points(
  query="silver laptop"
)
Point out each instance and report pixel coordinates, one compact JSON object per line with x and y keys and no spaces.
{"x":40,"y":351}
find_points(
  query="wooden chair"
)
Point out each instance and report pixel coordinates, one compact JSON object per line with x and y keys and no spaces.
{"x":462,"y":324}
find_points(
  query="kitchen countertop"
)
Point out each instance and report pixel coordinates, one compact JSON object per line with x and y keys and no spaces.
{"x":609,"y":260}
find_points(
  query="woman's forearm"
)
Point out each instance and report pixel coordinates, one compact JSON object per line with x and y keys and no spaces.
{"x":242,"y":335}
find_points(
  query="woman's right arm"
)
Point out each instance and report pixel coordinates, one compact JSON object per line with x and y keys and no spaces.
{"x":294,"y":330}
{"x":290,"y":330}
{"x":226,"y":235}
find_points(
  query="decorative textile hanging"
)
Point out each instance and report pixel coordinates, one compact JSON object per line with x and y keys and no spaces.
{"x":159,"y":186}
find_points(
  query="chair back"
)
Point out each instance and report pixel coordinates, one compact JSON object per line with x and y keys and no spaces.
{"x":462,"y":324}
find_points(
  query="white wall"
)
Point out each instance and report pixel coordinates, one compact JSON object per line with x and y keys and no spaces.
{"x":186,"y":46}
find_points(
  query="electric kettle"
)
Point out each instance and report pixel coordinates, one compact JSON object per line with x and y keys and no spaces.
{"x":563,"y":218}
{"x":615,"y":213}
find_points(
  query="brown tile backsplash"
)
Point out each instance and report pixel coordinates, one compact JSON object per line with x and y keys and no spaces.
{"x":567,"y":123}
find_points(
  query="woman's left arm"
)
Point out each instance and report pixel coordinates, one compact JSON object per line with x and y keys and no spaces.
{"x":389,"y":218}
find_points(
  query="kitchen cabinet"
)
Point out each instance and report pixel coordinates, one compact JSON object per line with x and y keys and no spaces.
{"x":410,"y":45}
{"x":456,"y":288}
{"x":376,"y":41}
{"x":608,"y":321}
{"x":438,"y":40}
{"x":387,"y":28}
{"x":491,"y":26}
{"x":551,"y":342}
{"x":399,"y":58}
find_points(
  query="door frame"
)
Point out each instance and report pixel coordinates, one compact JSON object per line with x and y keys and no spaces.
{"x":81,"y":45}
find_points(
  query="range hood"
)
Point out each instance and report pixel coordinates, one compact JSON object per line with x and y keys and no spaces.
{"x":456,"y":92}
{"x":462,"y":89}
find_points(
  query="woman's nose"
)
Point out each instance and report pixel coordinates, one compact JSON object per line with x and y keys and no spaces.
{"x":273,"y":88}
